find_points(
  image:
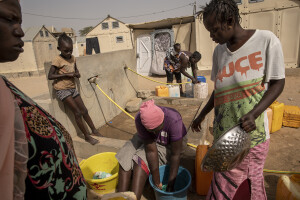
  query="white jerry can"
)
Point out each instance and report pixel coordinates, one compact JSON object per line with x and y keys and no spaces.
{"x":174,"y":91}
{"x":189,"y":90}
{"x":200,"y":90}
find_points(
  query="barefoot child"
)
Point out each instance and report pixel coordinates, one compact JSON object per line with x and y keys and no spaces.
{"x":248,"y":73}
{"x":64,"y":72}
{"x":171,"y":63}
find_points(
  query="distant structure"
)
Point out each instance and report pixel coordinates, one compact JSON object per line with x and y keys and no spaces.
{"x":40,"y":46}
{"x":79,"y":43}
{"x":79,"y":46}
{"x":109,"y":35}
{"x":69,"y":31}
{"x":151,"y":39}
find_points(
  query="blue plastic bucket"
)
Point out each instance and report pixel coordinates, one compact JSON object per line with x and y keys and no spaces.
{"x":183,"y":181}
{"x":199,"y":78}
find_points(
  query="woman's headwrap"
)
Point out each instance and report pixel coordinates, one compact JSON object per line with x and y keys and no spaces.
{"x":151,"y":115}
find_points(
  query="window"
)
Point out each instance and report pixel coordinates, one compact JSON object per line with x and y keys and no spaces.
{"x":115,"y":24}
{"x":46,"y":33}
{"x":105,"y":25}
{"x":41,"y":33}
{"x":255,"y":1}
{"x":50,"y":46}
{"x":238,"y":1}
{"x":119,"y":39}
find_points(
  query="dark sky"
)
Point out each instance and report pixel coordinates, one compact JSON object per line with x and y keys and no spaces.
{"x":90,"y":12}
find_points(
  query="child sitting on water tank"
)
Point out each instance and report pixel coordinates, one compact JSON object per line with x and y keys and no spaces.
{"x":64,"y":71}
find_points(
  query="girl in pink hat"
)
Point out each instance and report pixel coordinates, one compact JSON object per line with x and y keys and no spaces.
{"x":160,"y":139}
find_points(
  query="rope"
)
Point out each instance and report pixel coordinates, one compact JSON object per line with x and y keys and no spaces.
{"x":154,"y":80}
{"x":280,"y":172}
{"x":192,"y":145}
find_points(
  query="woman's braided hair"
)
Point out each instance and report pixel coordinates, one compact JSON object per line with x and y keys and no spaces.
{"x":223,"y":9}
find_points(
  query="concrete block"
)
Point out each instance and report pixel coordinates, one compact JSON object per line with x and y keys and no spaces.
{"x":292,"y":72}
{"x":134,"y":105}
{"x":144,"y":94}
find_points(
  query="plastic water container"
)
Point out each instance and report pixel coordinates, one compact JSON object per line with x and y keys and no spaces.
{"x":288,"y":188}
{"x":105,"y":162}
{"x":200,"y":90}
{"x":174,"y":90}
{"x":270,"y":115}
{"x":278,"y":109}
{"x":203,"y":179}
{"x":189,"y":90}
{"x":199,"y":78}
{"x":182,"y":183}
{"x":162,"y":91}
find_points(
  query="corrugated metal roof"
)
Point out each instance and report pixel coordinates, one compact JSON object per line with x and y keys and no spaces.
{"x":164,"y":23}
{"x":30,"y":33}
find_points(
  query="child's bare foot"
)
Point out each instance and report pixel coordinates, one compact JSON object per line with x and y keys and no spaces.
{"x":91,"y":140}
{"x":96,"y":133}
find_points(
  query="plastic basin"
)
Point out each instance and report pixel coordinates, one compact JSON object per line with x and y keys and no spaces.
{"x":183,"y":181}
{"x":105,"y":162}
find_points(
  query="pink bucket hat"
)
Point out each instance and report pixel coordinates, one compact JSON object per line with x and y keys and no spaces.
{"x":151,"y":115}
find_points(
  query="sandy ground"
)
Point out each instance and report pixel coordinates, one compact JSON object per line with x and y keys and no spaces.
{"x":32,"y":86}
{"x":284,"y":146}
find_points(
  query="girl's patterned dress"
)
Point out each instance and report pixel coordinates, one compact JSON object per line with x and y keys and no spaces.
{"x":53,"y":171}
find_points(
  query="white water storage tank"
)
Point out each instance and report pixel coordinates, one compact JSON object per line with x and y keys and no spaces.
{"x":200,"y":90}
{"x":174,"y":91}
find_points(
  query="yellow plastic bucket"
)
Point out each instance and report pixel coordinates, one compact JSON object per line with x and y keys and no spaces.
{"x":105,"y":162}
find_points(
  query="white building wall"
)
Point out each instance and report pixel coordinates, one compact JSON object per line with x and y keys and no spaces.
{"x":25,"y":63}
{"x":282,"y":17}
{"x":107,"y":37}
{"x":45,"y":49}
